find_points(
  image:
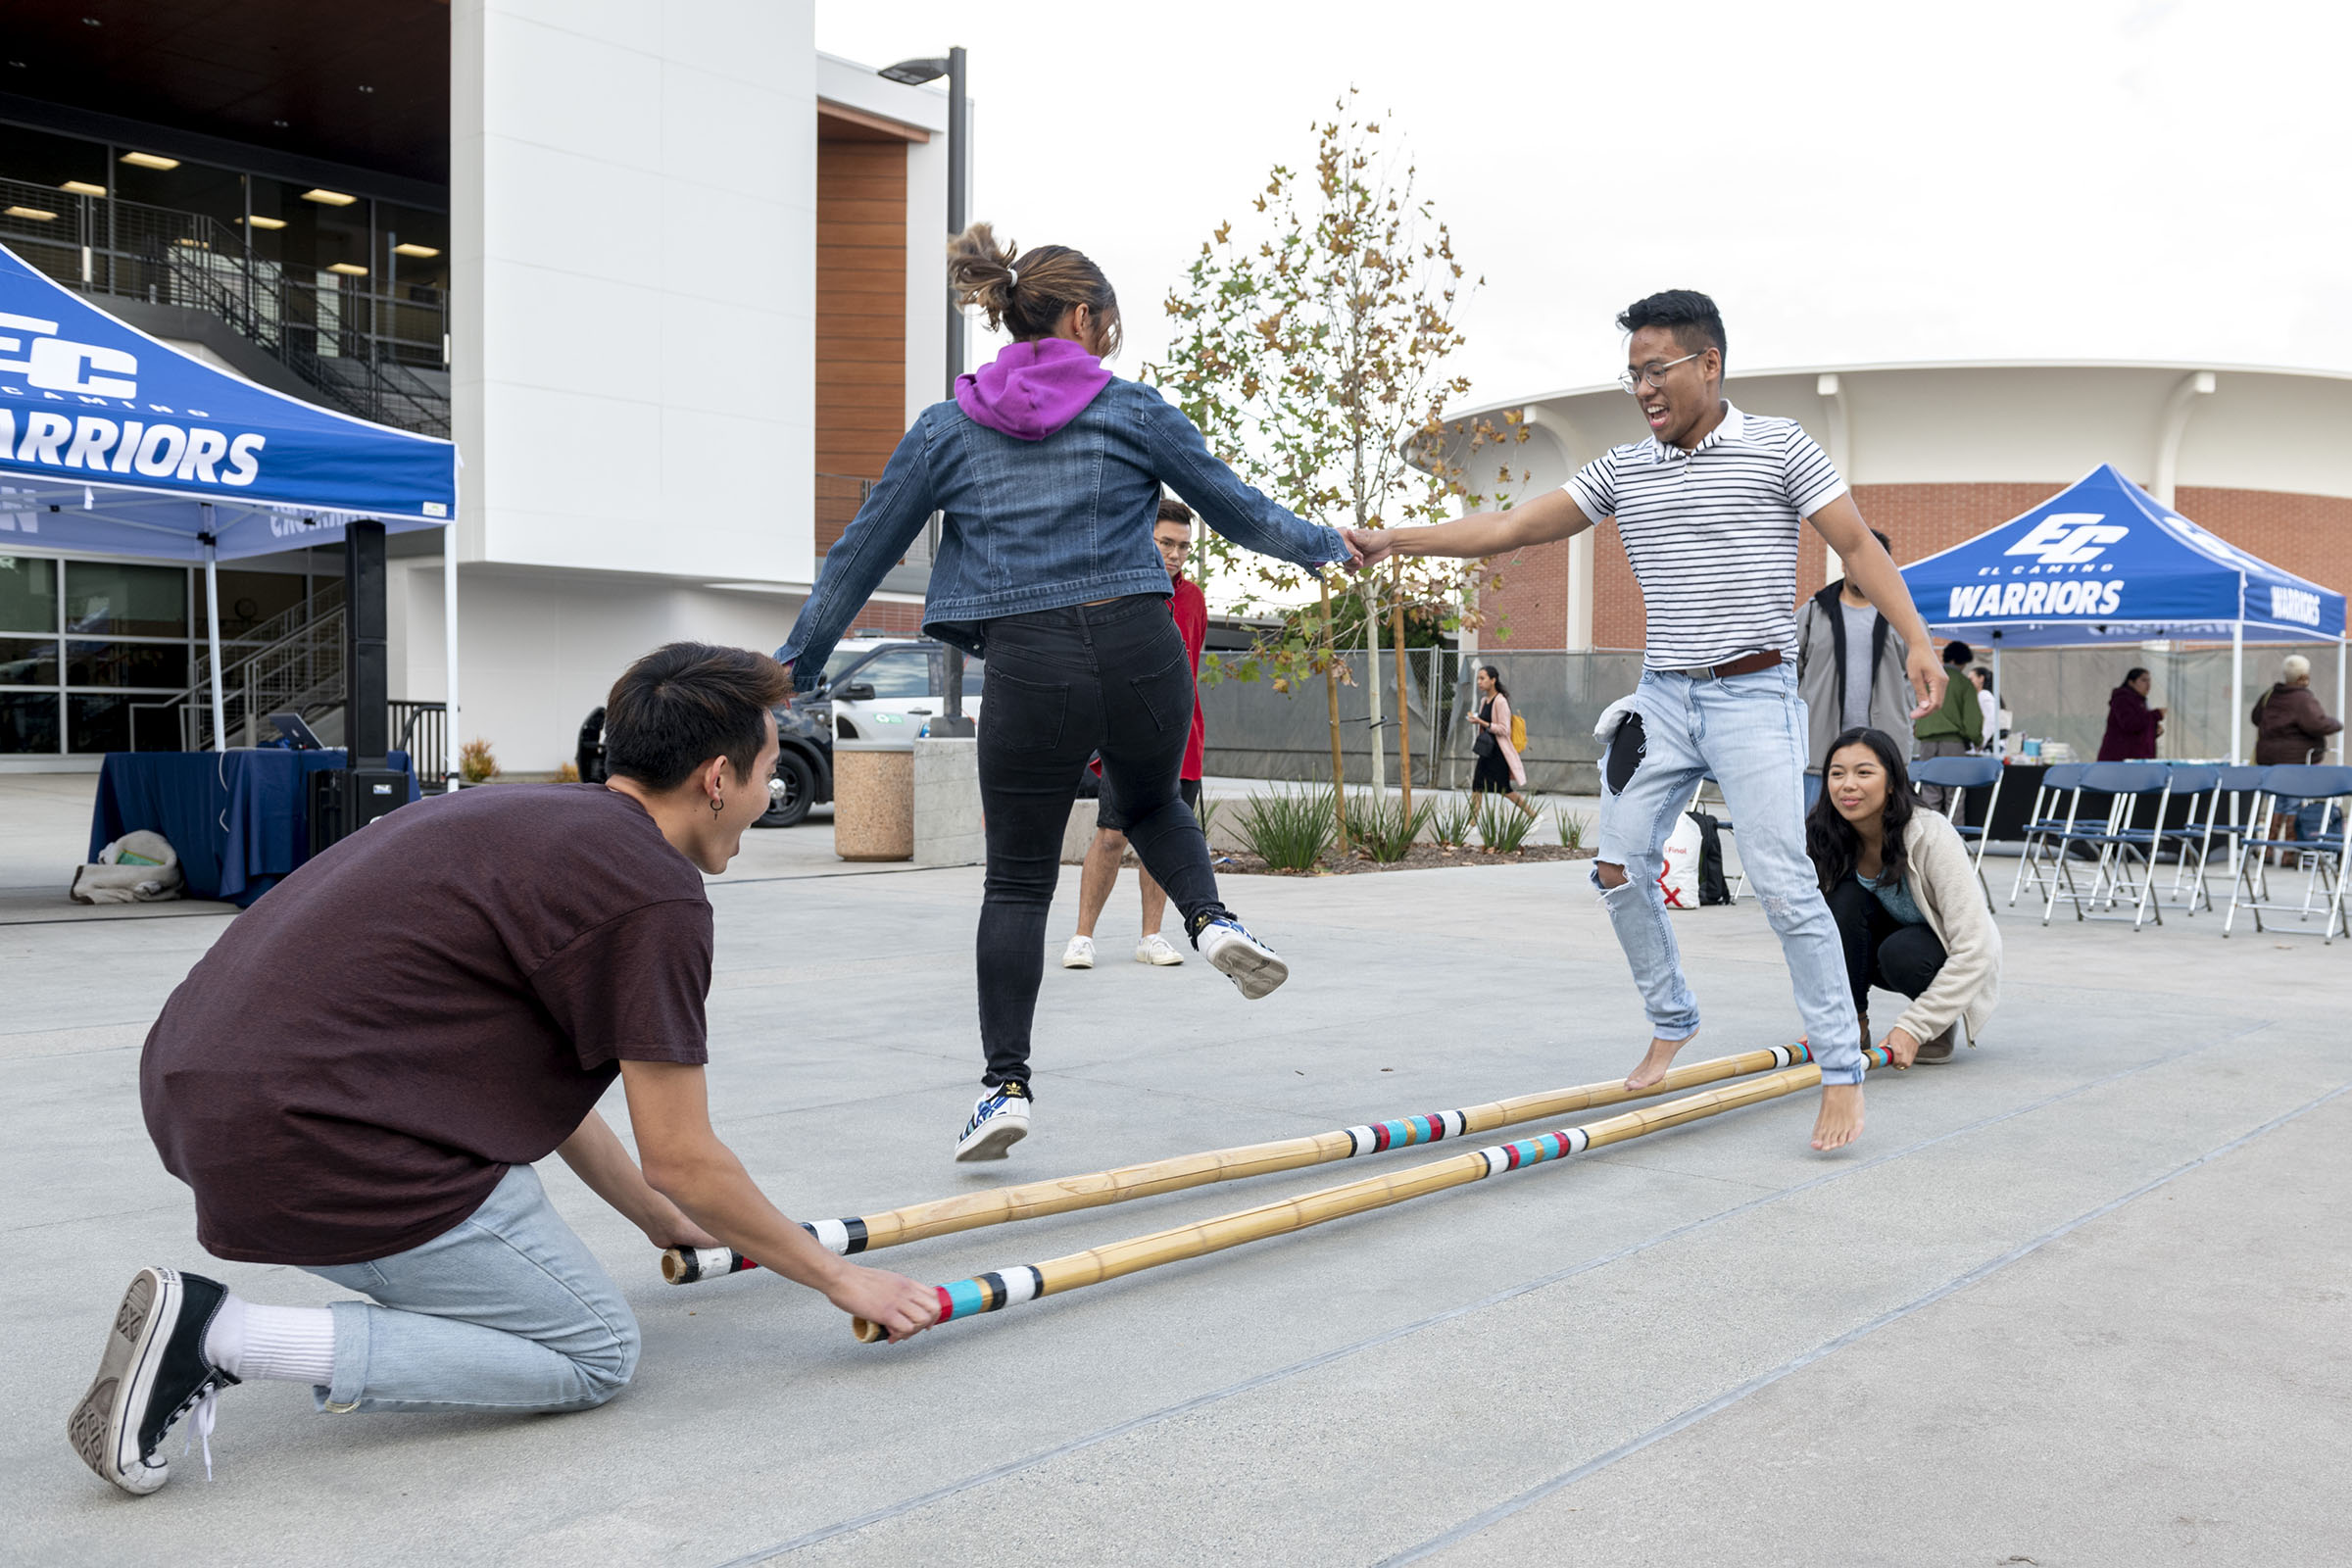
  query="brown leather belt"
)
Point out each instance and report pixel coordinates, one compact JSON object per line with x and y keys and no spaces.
{"x":1744,"y":664}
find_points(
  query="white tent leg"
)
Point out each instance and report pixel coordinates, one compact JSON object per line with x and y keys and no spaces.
{"x":2340,"y":644}
{"x":212,"y":631}
{"x":449,"y":632}
{"x":2238,"y":680}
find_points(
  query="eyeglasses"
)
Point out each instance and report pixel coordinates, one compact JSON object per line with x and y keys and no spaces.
{"x":1650,"y":374}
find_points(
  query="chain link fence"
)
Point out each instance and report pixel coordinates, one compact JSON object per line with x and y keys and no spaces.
{"x":2053,"y":693}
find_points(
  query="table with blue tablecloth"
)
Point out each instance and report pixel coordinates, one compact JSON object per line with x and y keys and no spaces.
{"x":238,"y":820}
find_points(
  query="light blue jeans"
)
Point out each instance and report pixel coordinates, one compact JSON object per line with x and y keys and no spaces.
{"x":1748,"y":732}
{"x":508,"y":1311}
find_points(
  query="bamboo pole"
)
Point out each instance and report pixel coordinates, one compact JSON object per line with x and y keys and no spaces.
{"x":989,"y":1293}
{"x":1062,"y":1195}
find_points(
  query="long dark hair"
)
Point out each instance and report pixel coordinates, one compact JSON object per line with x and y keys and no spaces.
{"x":1831,"y":840}
{"x":1495,"y":675}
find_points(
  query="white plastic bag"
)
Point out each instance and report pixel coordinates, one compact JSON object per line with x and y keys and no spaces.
{"x":1677,"y":879}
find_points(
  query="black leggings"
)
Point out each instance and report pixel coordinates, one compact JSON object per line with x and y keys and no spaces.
{"x":1879,"y":949}
{"x":1062,"y":685}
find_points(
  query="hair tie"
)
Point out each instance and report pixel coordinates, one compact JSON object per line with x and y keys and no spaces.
{"x":1012,"y":275}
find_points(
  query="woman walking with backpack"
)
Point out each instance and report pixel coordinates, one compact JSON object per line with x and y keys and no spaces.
{"x":1048,"y":472}
{"x":1500,"y":769}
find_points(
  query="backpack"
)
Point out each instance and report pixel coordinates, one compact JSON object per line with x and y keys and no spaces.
{"x":1518,"y":733}
{"x":1713,"y":886}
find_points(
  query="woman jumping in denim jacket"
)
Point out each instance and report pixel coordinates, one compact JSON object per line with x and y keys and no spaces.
{"x":1048,"y":472}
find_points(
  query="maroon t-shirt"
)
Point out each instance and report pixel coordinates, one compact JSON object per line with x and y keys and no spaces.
{"x":446,"y":993}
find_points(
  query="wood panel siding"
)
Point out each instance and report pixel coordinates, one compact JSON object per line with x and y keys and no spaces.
{"x":860,"y":305}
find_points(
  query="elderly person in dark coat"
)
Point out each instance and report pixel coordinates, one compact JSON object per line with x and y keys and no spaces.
{"x":2290,"y":726}
{"x":2132,"y":724}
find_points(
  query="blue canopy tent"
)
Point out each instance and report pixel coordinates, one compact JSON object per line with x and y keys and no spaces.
{"x":113,"y":441}
{"x":2103,"y":561}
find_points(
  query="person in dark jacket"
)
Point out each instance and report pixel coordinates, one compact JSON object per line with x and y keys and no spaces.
{"x":2290,"y":726}
{"x":1850,"y":670}
{"x":2132,"y":724}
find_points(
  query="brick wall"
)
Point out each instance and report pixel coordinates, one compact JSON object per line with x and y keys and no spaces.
{"x":2310,"y":536}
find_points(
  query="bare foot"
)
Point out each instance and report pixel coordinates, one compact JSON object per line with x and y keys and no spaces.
{"x":1840,"y":1121}
{"x":1657,"y":1062}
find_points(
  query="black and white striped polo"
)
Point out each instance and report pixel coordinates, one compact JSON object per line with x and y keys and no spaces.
{"x":1712,"y":533}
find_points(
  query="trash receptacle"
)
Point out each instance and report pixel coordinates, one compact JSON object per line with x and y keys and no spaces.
{"x":873,"y":799}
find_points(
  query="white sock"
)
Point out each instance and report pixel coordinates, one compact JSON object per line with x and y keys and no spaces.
{"x":289,"y":1344}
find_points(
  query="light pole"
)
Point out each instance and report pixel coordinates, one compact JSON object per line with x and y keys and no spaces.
{"x":914,"y":74}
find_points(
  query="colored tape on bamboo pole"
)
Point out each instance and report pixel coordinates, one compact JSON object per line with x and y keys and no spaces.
{"x":994,"y":1291}
{"x":1062,"y":1195}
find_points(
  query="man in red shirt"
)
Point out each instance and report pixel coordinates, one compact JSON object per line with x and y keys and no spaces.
{"x":1173,"y":534}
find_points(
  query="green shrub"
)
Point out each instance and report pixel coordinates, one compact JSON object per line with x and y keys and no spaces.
{"x":1572,"y":826}
{"x":1382,"y":827}
{"x":1501,"y":826}
{"x":1206,"y":811}
{"x":1451,"y":821}
{"x":1290,"y":830}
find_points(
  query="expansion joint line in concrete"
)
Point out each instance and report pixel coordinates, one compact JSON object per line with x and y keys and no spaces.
{"x":1199,"y":1402}
{"x":1722,"y":1401}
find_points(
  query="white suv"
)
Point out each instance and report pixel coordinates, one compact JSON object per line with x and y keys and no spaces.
{"x":884,"y":688}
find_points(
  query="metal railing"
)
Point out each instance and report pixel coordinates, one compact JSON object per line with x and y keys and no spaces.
{"x":421,"y":729}
{"x":298,"y":670}
{"x":374,"y":352}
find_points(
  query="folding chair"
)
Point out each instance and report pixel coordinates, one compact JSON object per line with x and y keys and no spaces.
{"x":2190,"y":841}
{"x":2042,"y":821}
{"x":2322,"y":856}
{"x":2119,"y":840}
{"x":1958,"y":775}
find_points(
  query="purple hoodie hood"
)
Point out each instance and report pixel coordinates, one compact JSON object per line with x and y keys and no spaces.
{"x":1030,"y":390}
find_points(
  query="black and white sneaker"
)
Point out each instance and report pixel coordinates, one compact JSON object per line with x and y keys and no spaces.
{"x":999,"y":1120}
{"x":152,"y":1373}
{"x":1241,"y":957}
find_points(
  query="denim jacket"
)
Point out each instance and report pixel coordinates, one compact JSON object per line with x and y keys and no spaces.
{"x":1038,"y":524}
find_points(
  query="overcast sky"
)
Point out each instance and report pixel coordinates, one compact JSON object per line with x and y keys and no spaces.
{"x":2135,"y":179}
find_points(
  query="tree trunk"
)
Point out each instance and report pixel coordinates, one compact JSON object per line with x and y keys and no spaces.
{"x":1331,"y":693}
{"x":1372,"y":702}
{"x":1404,"y":685}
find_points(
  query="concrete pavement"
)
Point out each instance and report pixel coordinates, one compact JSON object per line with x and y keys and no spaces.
{"x":2082,"y":1297}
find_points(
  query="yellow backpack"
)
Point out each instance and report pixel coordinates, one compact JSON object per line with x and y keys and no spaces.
{"x":1518,"y":733}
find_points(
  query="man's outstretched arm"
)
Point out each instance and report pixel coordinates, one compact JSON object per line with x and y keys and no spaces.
{"x":1873,"y":570}
{"x":670,"y":1110}
{"x":1554,"y":515}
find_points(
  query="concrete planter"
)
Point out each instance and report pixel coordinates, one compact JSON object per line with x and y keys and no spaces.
{"x":873,"y":799}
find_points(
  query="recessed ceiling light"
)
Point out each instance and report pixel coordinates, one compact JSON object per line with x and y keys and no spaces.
{"x":19,"y":64}
{"x":150,"y":160}
{"x":82,"y":188}
{"x":280,"y":123}
{"x":364,"y":87}
{"x":192,"y":244}
{"x":35,"y":213}
{"x":328,"y":198}
{"x":422,"y":251}
{"x":349,"y":268}
{"x":259,"y":221}
{"x":93,"y":21}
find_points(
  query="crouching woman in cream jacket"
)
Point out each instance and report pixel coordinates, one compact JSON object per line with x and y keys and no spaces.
{"x":1907,"y":904}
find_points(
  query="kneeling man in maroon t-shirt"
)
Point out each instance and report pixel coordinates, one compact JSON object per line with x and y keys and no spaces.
{"x":358,"y":1077}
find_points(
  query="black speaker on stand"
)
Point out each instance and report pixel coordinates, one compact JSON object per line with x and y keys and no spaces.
{"x":342,"y":801}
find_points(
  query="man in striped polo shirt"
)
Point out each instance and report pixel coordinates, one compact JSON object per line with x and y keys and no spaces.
{"x":1708,"y":508}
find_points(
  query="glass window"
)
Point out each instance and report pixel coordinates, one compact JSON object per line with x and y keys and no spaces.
{"x":37,"y":158}
{"x":842,"y":659}
{"x":27,"y":661}
{"x":27,"y":594}
{"x":127,"y":601}
{"x":247,"y":599}
{"x":164,"y":664}
{"x":899,"y":673}
{"x":218,"y":193}
{"x":975,"y":672}
{"x":28,"y":722}
{"x":98,"y":724}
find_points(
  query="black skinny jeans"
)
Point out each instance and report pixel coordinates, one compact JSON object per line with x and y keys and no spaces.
{"x":1062,"y":685}
{"x":1878,"y":948}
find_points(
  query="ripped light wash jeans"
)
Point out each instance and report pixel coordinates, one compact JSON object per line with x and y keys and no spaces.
{"x":1748,"y":733}
{"x":508,"y":1312}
